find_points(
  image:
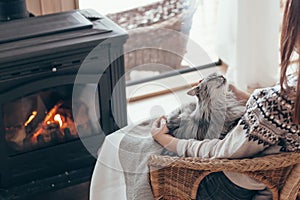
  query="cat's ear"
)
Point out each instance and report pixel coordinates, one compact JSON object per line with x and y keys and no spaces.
{"x":194,"y":91}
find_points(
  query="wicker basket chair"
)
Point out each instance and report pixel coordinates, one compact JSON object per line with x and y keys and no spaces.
{"x":146,"y":25}
{"x":179,"y":178}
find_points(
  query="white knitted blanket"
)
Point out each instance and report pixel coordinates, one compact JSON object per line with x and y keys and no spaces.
{"x":134,"y":151}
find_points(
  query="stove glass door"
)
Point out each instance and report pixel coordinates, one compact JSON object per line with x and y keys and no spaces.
{"x":51,"y":116}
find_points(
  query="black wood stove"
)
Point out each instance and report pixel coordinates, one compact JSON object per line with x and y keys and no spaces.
{"x":43,"y":125}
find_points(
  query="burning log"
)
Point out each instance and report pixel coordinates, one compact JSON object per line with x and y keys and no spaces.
{"x":48,"y":120}
{"x":67,"y":121}
{"x":50,"y":134}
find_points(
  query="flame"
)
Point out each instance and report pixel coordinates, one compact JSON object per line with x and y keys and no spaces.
{"x":51,"y":113}
{"x":58,"y":119}
{"x":47,"y":120}
{"x":30,"y":118}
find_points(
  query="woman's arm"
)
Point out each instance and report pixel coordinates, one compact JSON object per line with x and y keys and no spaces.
{"x":235,"y":145}
{"x":159,"y":134}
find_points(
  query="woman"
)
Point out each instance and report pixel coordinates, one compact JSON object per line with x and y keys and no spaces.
{"x":118,"y":174}
{"x":270,"y":125}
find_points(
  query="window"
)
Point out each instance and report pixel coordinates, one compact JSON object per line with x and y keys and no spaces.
{"x":183,"y":37}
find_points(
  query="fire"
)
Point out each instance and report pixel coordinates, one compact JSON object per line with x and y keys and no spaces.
{"x":58,"y":119}
{"x":57,"y":126}
{"x":30,"y":118}
{"x":47,"y":121}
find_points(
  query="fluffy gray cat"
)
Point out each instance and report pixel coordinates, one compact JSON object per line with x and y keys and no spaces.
{"x":214,"y":114}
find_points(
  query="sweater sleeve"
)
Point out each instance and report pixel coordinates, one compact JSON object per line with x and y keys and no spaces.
{"x":235,"y":145}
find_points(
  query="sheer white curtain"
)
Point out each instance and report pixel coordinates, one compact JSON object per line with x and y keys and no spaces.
{"x":248,"y":41}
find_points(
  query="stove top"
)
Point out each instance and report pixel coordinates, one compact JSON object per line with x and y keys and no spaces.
{"x":36,"y":37}
{"x":47,"y":25}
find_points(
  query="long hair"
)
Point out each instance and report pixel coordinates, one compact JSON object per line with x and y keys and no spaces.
{"x":290,"y":36}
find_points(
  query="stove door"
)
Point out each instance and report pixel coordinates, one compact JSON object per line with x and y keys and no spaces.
{"x":50,"y":115}
{"x":52,"y":127}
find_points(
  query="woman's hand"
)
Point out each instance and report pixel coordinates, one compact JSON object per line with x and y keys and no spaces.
{"x":159,"y":133}
{"x":159,"y":127}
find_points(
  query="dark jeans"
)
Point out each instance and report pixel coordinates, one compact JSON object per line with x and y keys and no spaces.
{"x":217,"y":186}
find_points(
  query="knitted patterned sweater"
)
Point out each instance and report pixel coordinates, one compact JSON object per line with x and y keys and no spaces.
{"x":265,"y":128}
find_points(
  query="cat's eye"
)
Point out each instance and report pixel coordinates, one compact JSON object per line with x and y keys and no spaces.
{"x":200,"y":80}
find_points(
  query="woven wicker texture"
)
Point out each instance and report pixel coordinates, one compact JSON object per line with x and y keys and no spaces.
{"x":178,"y":178}
{"x":149,"y":47}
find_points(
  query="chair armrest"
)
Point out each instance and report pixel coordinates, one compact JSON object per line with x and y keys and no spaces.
{"x":172,"y":176}
{"x":291,"y":189}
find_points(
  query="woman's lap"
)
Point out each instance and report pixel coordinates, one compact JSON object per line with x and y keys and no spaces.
{"x":217,"y":186}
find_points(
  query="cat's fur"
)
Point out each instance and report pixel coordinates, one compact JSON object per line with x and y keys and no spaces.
{"x":214,"y":114}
